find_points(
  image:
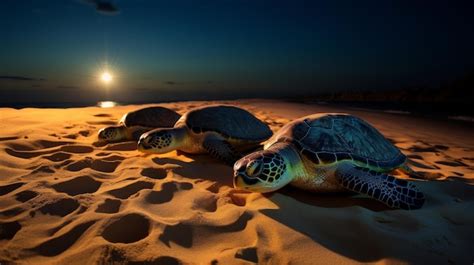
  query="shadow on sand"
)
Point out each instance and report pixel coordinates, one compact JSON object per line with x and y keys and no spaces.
{"x":356,"y":227}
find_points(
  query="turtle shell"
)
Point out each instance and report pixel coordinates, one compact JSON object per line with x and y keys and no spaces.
{"x":329,"y":138}
{"x":229,"y":121}
{"x":152,"y":117}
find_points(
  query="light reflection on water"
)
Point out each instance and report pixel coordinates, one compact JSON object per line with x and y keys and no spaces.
{"x":107,"y":104}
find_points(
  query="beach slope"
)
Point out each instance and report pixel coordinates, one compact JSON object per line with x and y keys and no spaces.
{"x":64,"y":199}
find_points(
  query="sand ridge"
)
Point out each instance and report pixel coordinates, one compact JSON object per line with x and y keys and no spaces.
{"x":65,"y":199}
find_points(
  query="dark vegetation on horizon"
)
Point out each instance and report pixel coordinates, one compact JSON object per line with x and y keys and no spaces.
{"x":450,"y":98}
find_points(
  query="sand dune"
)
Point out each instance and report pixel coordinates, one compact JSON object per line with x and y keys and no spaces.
{"x":65,"y":199}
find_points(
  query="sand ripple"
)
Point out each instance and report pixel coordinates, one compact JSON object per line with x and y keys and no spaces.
{"x":67,"y":199}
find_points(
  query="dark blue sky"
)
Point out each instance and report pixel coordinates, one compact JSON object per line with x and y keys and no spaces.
{"x":54,"y":50}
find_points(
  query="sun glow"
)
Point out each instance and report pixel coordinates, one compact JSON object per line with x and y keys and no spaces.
{"x":107,"y":104}
{"x":106,"y":77}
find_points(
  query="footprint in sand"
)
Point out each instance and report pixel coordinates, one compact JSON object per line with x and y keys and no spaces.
{"x":77,"y":149}
{"x":12,"y":212}
{"x":113,"y":158}
{"x":25,"y":154}
{"x":431,"y":175}
{"x":8,"y":138}
{"x":167,"y":191}
{"x":455,"y":163}
{"x":45,"y":144}
{"x":57,"y":157}
{"x":20,"y":147}
{"x":25,"y":195}
{"x":130,"y":189}
{"x":154,"y":173}
{"x":428,"y":148}
{"x":78,"y":185}
{"x":415,"y":157}
{"x":422,"y":165}
{"x":10,"y":187}
{"x":248,"y":254}
{"x":100,"y":165}
{"x":84,"y":133}
{"x":71,"y":136}
{"x":58,"y":245}
{"x":42,"y":169}
{"x":8,"y":230}
{"x":127,"y":229}
{"x":31,"y":153}
{"x":182,"y":234}
{"x":109,"y":206}
{"x":61,"y":207}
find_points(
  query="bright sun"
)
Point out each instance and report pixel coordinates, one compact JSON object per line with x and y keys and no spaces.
{"x":106,"y":77}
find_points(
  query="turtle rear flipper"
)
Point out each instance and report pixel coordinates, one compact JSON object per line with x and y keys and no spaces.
{"x":221,"y":149}
{"x":396,"y":193}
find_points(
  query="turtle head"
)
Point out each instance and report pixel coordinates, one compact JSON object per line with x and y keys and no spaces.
{"x":160,"y":141}
{"x":262,"y":171}
{"x":112,"y":133}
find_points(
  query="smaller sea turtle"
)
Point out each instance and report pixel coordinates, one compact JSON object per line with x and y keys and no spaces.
{"x":326,"y":153}
{"x":219,"y":130}
{"x":135,"y":123}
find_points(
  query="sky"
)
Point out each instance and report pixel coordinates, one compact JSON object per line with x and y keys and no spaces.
{"x":55,"y":51}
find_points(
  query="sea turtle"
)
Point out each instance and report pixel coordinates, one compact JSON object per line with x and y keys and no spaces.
{"x":135,"y":123}
{"x":329,"y":152}
{"x":219,"y":130}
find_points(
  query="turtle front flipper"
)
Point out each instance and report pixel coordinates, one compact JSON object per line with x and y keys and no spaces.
{"x":221,"y":149}
{"x":396,"y":193}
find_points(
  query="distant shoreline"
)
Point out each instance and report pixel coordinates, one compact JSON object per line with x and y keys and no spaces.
{"x":432,"y":110}
{"x":437,"y":110}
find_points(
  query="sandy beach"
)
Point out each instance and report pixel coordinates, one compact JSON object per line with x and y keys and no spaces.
{"x":65,"y":199}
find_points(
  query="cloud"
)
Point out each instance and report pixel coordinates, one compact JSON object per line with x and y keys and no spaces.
{"x":103,"y":6}
{"x":20,"y":78}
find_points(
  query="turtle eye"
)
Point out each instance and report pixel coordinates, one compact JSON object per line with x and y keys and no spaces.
{"x":254,"y":168}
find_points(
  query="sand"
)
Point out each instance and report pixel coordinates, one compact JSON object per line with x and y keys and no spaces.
{"x":65,"y":199}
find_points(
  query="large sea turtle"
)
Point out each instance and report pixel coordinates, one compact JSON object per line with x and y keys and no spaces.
{"x":329,"y":152}
{"x":219,"y":130}
{"x":135,"y":123}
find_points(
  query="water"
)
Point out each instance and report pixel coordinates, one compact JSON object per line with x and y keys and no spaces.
{"x":107,"y":104}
